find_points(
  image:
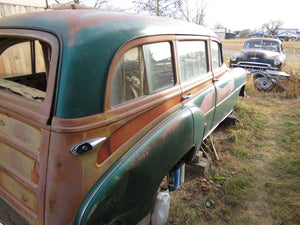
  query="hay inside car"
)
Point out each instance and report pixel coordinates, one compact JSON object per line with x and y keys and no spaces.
{"x":96,"y":107}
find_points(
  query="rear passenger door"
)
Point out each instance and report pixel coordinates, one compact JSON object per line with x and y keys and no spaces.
{"x":197,"y":81}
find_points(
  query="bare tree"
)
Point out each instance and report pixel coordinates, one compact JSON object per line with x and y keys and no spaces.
{"x":100,"y":3}
{"x":192,"y":11}
{"x":273,"y":26}
{"x":219,"y":25}
{"x":167,"y":8}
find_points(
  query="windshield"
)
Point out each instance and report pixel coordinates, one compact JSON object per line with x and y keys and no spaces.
{"x":263,"y":44}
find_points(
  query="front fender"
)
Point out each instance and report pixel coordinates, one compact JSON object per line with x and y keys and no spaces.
{"x":200,"y":125}
{"x":125,"y":194}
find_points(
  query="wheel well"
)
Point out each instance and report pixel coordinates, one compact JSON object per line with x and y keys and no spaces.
{"x":188,"y":157}
{"x":242,"y":92}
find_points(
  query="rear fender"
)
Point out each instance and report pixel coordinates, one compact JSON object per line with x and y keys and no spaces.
{"x":126,"y":192}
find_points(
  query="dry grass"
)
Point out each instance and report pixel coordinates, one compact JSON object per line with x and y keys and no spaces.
{"x":258,"y":178}
{"x":233,"y":45}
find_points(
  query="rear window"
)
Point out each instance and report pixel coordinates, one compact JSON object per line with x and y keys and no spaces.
{"x":24,"y":67}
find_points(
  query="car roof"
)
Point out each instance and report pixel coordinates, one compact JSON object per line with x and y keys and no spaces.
{"x":88,"y":41}
{"x":264,"y":39}
{"x":70,"y":22}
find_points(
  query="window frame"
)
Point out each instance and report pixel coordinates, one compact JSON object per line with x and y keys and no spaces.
{"x":202,"y":76}
{"x":130,"y":108}
{"x":201,"y":81}
{"x":220,"y":55}
{"x":38,"y":111}
{"x":132,"y":44}
{"x":148,"y":66}
{"x":147,"y":75}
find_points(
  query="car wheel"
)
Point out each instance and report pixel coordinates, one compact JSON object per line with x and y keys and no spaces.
{"x":263,"y":83}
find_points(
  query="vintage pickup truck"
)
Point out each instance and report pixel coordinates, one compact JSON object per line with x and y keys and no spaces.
{"x":96,"y":107}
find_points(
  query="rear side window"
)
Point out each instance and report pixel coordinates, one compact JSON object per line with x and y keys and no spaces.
{"x":24,"y":65}
{"x":192,"y":59}
{"x":216,"y":55}
{"x":141,"y":71}
{"x":159,"y":66}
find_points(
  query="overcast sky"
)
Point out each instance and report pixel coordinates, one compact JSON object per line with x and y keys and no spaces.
{"x":238,"y":14}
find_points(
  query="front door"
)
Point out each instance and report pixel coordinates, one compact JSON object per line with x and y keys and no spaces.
{"x":197,"y":81}
{"x":224,"y":84}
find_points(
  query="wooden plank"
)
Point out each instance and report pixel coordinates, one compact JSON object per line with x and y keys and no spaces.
{"x":34,"y":3}
{"x":9,"y":9}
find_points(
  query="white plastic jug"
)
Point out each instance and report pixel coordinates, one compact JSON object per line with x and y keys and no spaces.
{"x":161,"y":208}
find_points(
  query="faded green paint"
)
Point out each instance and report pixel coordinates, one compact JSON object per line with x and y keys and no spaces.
{"x":203,"y":116}
{"x":126,"y":192}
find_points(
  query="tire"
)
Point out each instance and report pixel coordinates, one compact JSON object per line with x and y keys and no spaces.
{"x":263,"y":83}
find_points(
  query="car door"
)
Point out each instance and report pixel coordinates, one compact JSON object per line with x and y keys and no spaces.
{"x":224,"y":84}
{"x":197,"y":83}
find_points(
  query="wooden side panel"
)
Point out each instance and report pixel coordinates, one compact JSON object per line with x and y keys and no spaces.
{"x":23,"y":151}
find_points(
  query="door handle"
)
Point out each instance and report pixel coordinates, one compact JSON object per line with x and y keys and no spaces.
{"x":87,"y":146}
{"x":184,"y":97}
{"x":216,"y":79}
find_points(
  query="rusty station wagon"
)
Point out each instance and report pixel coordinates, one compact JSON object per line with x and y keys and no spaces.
{"x":97,"y":107}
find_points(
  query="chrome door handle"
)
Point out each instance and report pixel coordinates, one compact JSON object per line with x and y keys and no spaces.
{"x":216,"y":79}
{"x":86,"y":146}
{"x":184,"y":97}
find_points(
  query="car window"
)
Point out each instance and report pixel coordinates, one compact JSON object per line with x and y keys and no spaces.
{"x":159,"y":66}
{"x":216,"y":55}
{"x":141,"y":71}
{"x":192,"y":59}
{"x":24,"y":65}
